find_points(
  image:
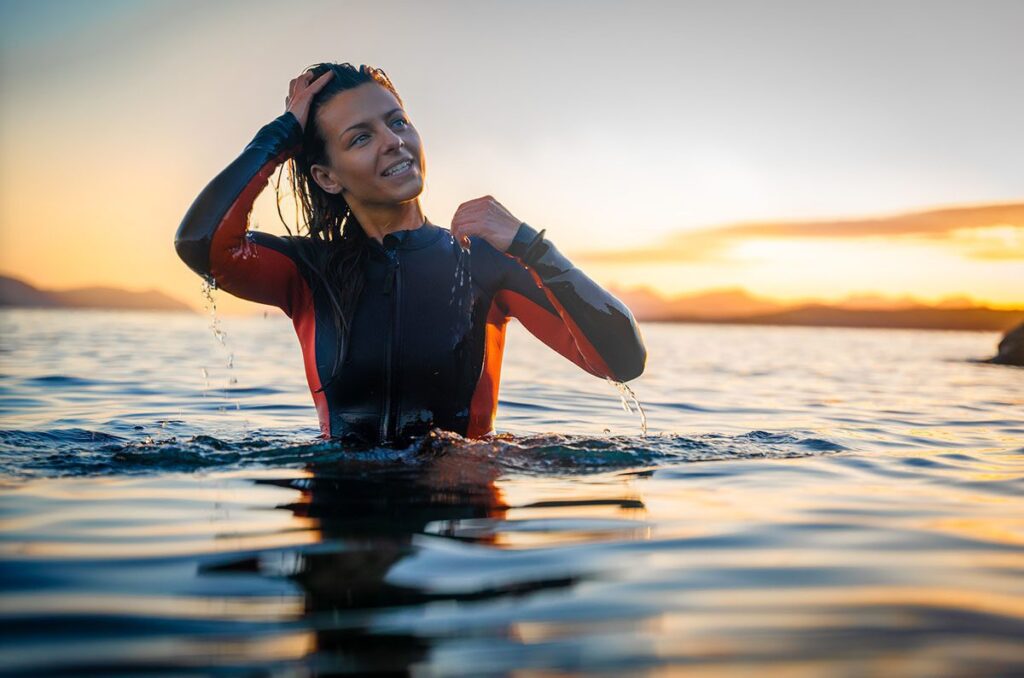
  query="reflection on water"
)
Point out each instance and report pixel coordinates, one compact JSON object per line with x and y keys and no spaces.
{"x":448,"y":565}
{"x":793,"y":517}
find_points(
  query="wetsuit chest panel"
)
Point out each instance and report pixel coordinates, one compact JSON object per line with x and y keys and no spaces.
{"x":355,"y":397}
{"x":439,"y":340}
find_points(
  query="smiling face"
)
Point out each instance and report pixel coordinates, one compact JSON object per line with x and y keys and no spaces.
{"x":367,"y":133}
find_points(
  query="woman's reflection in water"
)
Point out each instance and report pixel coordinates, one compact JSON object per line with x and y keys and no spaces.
{"x":368,"y":511}
{"x":368,"y":515}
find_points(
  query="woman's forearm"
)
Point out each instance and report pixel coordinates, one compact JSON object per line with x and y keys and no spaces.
{"x":605,"y":322}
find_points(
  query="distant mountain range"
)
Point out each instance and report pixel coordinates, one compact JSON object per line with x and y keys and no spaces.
{"x":17,"y":293}
{"x":725,"y":306}
{"x":737,"y":306}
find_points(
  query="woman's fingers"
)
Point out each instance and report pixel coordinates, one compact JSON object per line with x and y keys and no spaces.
{"x":463,"y":227}
{"x":469,"y":214}
{"x":321,"y":82}
{"x":301,"y":91}
{"x":458,"y":234}
{"x":487,"y":218}
{"x":302,"y":82}
{"x":470,"y":209}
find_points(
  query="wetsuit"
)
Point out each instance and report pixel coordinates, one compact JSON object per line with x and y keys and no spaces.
{"x":429,"y":327}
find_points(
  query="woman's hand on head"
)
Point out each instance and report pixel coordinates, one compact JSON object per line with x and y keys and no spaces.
{"x":301,"y":91}
{"x":487,"y":218}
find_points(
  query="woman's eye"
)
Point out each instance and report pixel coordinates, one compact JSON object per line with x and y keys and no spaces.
{"x":358,"y":139}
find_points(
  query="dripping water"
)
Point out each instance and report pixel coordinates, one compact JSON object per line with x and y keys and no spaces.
{"x":461,"y":293}
{"x":210,"y":306}
{"x":629,"y":402}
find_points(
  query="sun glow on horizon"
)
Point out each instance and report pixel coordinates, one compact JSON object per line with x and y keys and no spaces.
{"x":653,"y":181}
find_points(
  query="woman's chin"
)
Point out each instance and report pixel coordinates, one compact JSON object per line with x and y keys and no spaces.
{"x":408,"y":190}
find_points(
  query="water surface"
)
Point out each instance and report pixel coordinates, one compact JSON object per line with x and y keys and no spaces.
{"x":807,"y":502}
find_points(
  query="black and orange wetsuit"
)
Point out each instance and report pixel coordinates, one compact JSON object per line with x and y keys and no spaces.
{"x":428,"y":330}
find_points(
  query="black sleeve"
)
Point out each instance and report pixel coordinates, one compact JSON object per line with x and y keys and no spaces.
{"x":594,"y":325}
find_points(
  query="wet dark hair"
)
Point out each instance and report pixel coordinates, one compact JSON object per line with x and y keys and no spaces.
{"x":334,"y":246}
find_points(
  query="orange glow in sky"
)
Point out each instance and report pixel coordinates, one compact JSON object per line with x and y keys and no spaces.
{"x":651,"y":150}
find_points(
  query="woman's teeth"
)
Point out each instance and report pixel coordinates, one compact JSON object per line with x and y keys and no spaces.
{"x":398,"y":169}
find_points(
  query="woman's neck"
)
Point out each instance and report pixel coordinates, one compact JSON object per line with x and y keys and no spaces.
{"x":379,"y":220}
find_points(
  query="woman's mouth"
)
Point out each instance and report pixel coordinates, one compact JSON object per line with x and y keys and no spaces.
{"x":398,"y":170}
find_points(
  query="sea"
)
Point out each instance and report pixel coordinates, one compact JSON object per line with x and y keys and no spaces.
{"x":777,"y":501}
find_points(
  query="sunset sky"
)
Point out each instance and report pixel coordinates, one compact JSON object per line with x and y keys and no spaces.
{"x":797,"y":149}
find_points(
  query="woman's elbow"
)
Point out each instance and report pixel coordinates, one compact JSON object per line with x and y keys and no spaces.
{"x":629,"y":364}
{"x":195,"y":252}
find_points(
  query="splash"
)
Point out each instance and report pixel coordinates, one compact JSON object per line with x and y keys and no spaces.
{"x":82,"y":452}
{"x":629,"y":402}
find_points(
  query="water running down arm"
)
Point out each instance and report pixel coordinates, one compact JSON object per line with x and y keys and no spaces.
{"x":214,"y":240}
{"x":569,"y":312}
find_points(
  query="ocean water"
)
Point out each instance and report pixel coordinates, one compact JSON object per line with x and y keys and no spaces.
{"x":806,"y":502}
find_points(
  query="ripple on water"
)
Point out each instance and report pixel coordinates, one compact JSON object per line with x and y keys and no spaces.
{"x":62,"y":380}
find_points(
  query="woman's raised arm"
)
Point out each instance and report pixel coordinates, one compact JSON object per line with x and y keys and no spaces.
{"x":213,"y":238}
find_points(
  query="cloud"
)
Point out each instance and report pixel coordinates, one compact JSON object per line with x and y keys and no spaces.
{"x":931,"y":223}
{"x":980,"y":232}
{"x":999,"y":243}
{"x":704,"y":246}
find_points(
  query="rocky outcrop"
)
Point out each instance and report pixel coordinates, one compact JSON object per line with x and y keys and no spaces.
{"x":1011,"y":348}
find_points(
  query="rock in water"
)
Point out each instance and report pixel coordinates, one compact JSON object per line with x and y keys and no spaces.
{"x":1011,"y":348}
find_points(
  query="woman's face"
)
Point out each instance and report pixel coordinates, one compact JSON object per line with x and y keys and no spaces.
{"x":367,"y":133}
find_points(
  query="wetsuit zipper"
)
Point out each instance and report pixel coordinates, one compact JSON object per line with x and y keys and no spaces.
{"x":392,"y":287}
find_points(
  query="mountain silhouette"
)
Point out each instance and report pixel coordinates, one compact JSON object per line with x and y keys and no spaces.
{"x":19,"y":294}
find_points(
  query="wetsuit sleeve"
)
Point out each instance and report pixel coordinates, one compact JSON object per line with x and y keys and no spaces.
{"x":569,"y":312}
{"x":214,"y":240}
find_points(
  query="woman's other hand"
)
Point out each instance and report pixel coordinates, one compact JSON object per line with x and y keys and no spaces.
{"x":301,"y":91}
{"x":487,"y":218}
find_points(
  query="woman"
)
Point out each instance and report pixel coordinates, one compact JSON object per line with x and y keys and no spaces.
{"x":401,"y":322}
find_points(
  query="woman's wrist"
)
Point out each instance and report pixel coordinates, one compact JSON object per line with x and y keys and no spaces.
{"x":282,"y":134}
{"x":524,"y":244}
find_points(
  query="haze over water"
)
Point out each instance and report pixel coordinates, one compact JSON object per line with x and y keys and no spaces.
{"x":808,"y":501}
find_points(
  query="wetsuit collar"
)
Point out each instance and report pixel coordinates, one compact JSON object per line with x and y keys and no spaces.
{"x":411,"y":239}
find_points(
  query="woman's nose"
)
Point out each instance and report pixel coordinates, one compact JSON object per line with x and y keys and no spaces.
{"x":393,"y":141}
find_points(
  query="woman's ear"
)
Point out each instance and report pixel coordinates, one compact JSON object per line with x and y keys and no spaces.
{"x":325,"y":179}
